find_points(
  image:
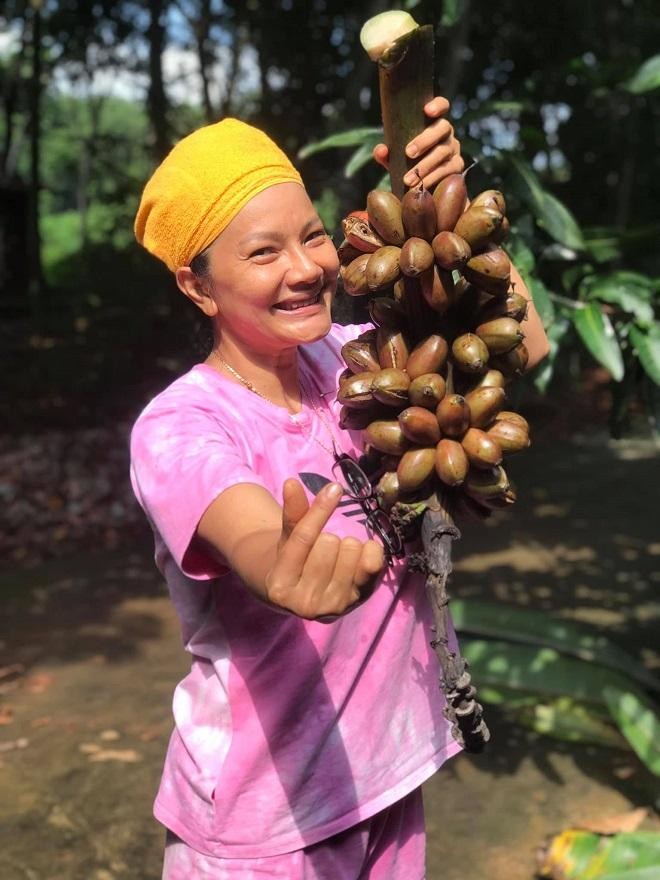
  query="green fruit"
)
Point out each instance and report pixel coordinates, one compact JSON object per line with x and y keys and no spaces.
{"x":384,"y":211}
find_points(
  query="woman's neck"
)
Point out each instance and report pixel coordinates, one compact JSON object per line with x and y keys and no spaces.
{"x":273,"y":376}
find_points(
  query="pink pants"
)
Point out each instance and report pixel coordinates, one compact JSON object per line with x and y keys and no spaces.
{"x":389,"y":846}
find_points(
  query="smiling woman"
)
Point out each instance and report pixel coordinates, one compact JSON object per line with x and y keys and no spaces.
{"x":311,"y":714}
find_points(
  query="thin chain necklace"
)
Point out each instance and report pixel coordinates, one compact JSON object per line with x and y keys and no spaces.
{"x":304,"y":394}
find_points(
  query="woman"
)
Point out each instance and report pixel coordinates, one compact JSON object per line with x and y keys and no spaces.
{"x":303,"y":732}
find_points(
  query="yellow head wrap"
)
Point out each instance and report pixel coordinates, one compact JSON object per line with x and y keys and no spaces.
{"x":202,"y":184}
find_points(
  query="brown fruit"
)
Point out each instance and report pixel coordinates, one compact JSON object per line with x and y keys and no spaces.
{"x":450,"y":197}
{"x":451,"y":462}
{"x":399,"y":291}
{"x":355,"y":392}
{"x":416,"y":257}
{"x":388,"y":490}
{"x":514,"y":362}
{"x":453,"y":415}
{"x":506,"y":415}
{"x":500,"y":334}
{"x":368,"y":335}
{"x":383,"y":267}
{"x":500,"y":234}
{"x":386,"y":436}
{"x":490,"y":379}
{"x":437,"y":288}
{"x":390,"y":386}
{"x":420,"y":426}
{"x":450,"y":250}
{"x":513,"y":306}
{"x":361,"y":235}
{"x":491,"y":198}
{"x":418,"y":213}
{"x":469,"y":353}
{"x":354,"y":276}
{"x":392,"y":348}
{"x":484,"y":404}
{"x":415,"y":467}
{"x":428,"y":356}
{"x":347,"y":253}
{"x":491,"y":271}
{"x":481,"y":450}
{"x":344,"y":376}
{"x":510,"y":436}
{"x":384,"y":211}
{"x":360,"y":356}
{"x":386,"y":312}
{"x":357,"y":419}
{"x":486,"y":483}
{"x":427,"y":390}
{"x":477,"y":226}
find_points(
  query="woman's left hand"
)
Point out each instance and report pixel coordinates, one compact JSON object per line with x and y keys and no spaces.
{"x":438,"y":149}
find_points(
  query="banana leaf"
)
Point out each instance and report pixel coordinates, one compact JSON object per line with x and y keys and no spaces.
{"x":535,"y":628}
{"x":354,"y":137}
{"x":639,"y":722}
{"x":647,"y":346}
{"x":583,"y":855}
{"x":570,"y":721}
{"x":646,"y":78}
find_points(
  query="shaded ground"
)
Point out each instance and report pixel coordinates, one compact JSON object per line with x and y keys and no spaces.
{"x":92,"y":655}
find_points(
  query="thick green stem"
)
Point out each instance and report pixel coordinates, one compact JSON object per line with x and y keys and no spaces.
{"x":405,"y":74}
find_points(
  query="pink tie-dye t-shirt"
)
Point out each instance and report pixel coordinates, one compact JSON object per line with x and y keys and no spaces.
{"x":287,"y":731}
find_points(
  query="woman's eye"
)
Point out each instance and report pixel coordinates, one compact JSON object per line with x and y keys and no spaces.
{"x":317,"y":234}
{"x":262,"y":252}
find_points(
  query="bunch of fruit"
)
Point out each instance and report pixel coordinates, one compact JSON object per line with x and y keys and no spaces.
{"x":428,"y":386}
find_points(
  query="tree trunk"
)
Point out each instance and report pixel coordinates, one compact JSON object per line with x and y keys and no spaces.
{"x":157,"y":105}
{"x":36,"y":279}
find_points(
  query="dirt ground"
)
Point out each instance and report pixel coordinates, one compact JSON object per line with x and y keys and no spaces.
{"x":89,"y":655}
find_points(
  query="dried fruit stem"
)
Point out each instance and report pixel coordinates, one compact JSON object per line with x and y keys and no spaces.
{"x":405,"y":74}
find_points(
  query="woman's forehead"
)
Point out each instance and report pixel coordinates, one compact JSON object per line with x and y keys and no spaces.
{"x":277,"y":210}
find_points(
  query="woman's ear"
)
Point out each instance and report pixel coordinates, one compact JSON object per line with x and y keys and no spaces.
{"x":199,"y":290}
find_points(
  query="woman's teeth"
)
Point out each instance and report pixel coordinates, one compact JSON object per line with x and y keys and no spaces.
{"x":290,"y":307}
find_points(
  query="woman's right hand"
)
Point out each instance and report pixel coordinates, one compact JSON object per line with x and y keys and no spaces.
{"x":317,"y":575}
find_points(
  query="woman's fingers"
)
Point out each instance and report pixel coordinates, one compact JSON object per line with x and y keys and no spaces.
{"x":370,"y":564}
{"x":438,"y":132}
{"x":299,"y":533}
{"x":445,"y":159}
{"x":294,"y":506}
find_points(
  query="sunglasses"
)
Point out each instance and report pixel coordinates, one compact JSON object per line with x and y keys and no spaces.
{"x":357,"y":485}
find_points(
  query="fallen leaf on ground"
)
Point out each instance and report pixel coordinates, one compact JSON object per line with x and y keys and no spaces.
{"x":38,"y":684}
{"x":89,"y":748}
{"x":6,"y":715}
{"x":125,"y":756}
{"x":109,"y":735}
{"x":10,"y":746}
{"x":629,"y":821}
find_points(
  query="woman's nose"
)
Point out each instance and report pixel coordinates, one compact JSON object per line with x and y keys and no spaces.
{"x":303,"y":269}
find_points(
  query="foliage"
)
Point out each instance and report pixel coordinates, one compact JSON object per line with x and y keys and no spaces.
{"x":585,"y":855}
{"x":559,"y":678}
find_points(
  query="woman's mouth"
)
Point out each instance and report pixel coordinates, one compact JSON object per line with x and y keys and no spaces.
{"x":295,"y":305}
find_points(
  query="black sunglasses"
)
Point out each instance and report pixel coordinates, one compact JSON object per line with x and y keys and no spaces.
{"x":357,"y":485}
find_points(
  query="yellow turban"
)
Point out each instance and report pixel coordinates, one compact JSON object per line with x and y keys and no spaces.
{"x":202,"y":184}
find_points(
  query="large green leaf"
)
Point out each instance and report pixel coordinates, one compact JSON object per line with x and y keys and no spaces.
{"x":361,"y":157}
{"x":355,"y":137}
{"x":567,"y":720}
{"x":596,"y":331}
{"x":551,"y":214}
{"x":584,"y":855}
{"x":629,"y":290}
{"x":541,"y":296}
{"x":647,"y":346}
{"x":639,"y":722}
{"x":536,"y":628}
{"x":647,"y":77}
{"x":520,"y":253}
{"x":541,"y":670}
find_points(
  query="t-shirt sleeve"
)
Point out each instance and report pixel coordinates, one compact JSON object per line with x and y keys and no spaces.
{"x":182,"y":459}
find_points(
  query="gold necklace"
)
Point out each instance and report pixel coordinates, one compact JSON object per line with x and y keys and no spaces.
{"x":304,"y":393}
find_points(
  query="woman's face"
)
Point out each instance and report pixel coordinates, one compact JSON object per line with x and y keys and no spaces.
{"x":274,"y":272}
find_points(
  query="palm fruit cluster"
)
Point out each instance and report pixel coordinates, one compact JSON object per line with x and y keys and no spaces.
{"x":428,"y":386}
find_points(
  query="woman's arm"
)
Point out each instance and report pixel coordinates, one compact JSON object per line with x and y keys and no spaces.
{"x":282,"y":553}
{"x":535,"y":339}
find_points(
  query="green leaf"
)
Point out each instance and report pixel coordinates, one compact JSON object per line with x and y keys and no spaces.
{"x":542,"y":301}
{"x":452,"y":10}
{"x":362,"y":156}
{"x":566,"y":720}
{"x":551,"y":214}
{"x":541,"y":670}
{"x":578,"y":855}
{"x":355,"y":137}
{"x":520,"y":253}
{"x":596,"y":331}
{"x":647,"y":77}
{"x":623,"y":289}
{"x":536,"y":628}
{"x":647,"y":346}
{"x":544,"y":372}
{"x":639,"y":722}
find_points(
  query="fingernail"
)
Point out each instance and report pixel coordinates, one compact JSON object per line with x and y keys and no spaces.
{"x":334,"y":490}
{"x":409,"y":178}
{"x":412,"y":151}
